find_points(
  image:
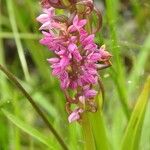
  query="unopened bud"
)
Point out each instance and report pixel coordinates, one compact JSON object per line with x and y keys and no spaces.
{"x":61,"y":18}
{"x":66,"y":3}
{"x":85,"y":6}
{"x":45,"y":3}
{"x":52,"y":3}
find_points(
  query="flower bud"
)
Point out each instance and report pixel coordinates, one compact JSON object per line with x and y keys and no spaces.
{"x":61,"y":18}
{"x":85,"y":6}
{"x":52,"y":3}
{"x":45,"y":3}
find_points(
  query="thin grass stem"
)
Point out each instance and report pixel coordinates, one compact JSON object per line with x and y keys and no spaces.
{"x":9,"y":35}
{"x":17,"y":39}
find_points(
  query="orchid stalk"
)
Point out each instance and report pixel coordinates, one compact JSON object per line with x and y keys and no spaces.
{"x":77,"y":58}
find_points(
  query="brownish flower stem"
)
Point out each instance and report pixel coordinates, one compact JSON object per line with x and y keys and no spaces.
{"x":35,"y":106}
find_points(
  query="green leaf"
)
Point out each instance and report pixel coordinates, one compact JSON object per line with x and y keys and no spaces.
{"x":98,"y":126}
{"x":133,"y":132}
{"x":28,"y":129}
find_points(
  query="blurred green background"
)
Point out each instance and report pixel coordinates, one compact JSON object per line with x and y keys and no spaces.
{"x":126,"y":33}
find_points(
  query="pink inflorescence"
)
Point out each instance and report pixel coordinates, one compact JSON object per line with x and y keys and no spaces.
{"x":77,"y":58}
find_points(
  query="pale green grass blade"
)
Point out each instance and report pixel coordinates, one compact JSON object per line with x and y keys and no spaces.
{"x":133,"y":132}
{"x":144,"y":143}
{"x":118,"y":69}
{"x":9,"y":35}
{"x":17,"y":39}
{"x":3,"y":82}
{"x":4,"y":90}
{"x":98,"y":126}
{"x":139,"y":65}
{"x":17,"y":111}
{"x":28,"y":129}
{"x":36,"y":50}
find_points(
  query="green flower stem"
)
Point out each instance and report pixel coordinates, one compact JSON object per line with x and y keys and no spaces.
{"x":35,"y":106}
{"x":87,"y":132}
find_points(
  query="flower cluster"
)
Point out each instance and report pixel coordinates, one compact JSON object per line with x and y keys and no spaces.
{"x":77,"y":57}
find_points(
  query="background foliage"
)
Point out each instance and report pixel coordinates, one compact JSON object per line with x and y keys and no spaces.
{"x":127,"y":36}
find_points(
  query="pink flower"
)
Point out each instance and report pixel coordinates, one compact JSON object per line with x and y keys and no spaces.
{"x":53,"y":60}
{"x":59,"y":67}
{"x":73,"y":49}
{"x":94,"y":57}
{"x":46,"y":18}
{"x":64,"y":78}
{"x":75,"y":115}
{"x":77,"y":24}
{"x":88,"y":40}
{"x":104,"y":54}
{"x":73,"y":84}
{"x":90,"y":93}
{"x":88,"y":43}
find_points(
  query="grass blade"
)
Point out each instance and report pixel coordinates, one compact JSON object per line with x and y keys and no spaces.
{"x":9,"y":35}
{"x":28,"y":129}
{"x":133,"y":131}
{"x":98,"y":126}
{"x":118,"y":67}
{"x":36,"y":50}
{"x":17,"y":39}
{"x":138,"y":65}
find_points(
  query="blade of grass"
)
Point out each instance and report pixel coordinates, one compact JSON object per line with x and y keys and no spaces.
{"x":138,"y":65}
{"x":36,"y":50}
{"x":17,"y":113}
{"x":118,"y":67}
{"x":98,"y":126}
{"x":4,"y":91}
{"x":28,"y":129}
{"x":133,"y":132}
{"x":17,"y":39}
{"x":3,"y":82}
{"x":145,"y":135}
{"x":9,"y":35}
